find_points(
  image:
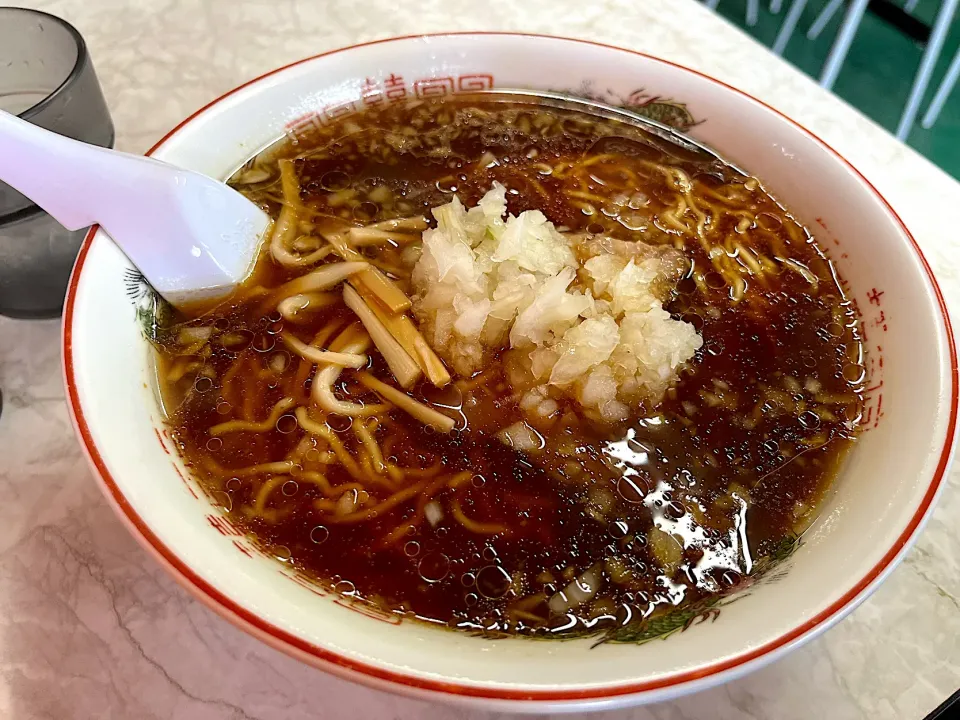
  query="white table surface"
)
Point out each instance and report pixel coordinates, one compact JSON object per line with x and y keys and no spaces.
{"x":91,"y":627}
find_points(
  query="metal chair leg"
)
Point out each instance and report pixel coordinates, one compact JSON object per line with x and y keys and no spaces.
{"x":776,"y":6}
{"x":789,"y":25}
{"x":825,"y":16}
{"x":838,"y":53}
{"x":943,"y":92}
{"x":941,"y":27}
{"x":753,"y":9}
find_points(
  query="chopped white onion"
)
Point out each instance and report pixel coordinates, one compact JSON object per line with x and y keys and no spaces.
{"x":347,"y":503}
{"x":579,"y":591}
{"x":193,"y":334}
{"x":433,"y":512}
{"x":521,"y":436}
{"x":279,"y":361}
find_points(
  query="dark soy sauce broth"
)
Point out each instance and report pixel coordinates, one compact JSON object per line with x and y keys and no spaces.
{"x":682,"y":502}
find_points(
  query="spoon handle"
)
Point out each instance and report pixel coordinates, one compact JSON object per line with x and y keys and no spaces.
{"x":185,"y":231}
{"x":65,"y":177}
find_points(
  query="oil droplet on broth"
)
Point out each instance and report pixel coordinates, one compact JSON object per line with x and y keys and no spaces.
{"x":632,"y":488}
{"x":345,"y":587}
{"x":203,"y":384}
{"x":434,"y":567}
{"x":222,"y":500}
{"x":810,"y":420}
{"x":853,"y":373}
{"x":319,"y":534}
{"x":286,"y":424}
{"x":334,"y":181}
{"x":339,"y":423}
{"x":618,"y":529}
{"x":673,"y":510}
{"x":493,"y":582}
{"x":264,"y":343}
{"x":282,"y":553}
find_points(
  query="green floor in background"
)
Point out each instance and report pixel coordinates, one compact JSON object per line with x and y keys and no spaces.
{"x":878,"y":72}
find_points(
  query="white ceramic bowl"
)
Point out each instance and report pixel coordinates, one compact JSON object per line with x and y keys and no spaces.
{"x":885,"y":492}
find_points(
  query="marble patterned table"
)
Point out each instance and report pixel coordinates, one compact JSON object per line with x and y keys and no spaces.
{"x":91,"y":627}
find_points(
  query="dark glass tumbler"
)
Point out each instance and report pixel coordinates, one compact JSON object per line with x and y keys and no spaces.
{"x":47,"y":78}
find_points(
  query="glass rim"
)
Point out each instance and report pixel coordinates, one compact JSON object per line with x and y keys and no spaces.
{"x":77,"y":66}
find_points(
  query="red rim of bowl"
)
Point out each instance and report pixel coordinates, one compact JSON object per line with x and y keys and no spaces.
{"x":376,"y":675}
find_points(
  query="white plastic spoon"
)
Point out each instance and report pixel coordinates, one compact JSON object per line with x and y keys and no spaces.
{"x":190,"y":236}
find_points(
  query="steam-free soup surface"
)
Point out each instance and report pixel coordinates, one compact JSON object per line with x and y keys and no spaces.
{"x":574,"y":516}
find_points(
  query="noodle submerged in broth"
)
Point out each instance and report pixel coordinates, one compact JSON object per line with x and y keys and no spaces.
{"x":515,"y":369}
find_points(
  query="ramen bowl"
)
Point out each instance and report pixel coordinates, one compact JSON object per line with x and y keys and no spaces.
{"x":884,"y":493}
